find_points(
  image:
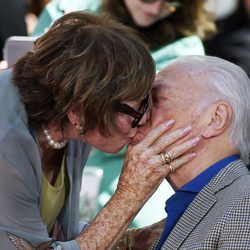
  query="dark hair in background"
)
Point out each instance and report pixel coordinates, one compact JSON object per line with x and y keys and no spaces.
{"x":86,"y":62}
{"x":232,"y":42}
{"x":189,"y":19}
{"x":37,"y":6}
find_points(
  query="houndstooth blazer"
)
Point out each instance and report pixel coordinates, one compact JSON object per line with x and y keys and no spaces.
{"x":219,"y":216}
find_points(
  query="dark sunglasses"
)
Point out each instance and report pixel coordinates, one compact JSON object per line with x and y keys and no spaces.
{"x":168,"y":2}
{"x":136,"y":114}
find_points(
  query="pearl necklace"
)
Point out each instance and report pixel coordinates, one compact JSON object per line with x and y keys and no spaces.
{"x":52,"y":143}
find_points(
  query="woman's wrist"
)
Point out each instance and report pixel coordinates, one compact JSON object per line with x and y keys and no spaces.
{"x":131,"y":197}
{"x":124,"y":242}
{"x":109,"y":225}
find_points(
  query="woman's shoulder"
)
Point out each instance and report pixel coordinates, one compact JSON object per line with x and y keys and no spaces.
{"x":75,"y":5}
{"x":183,"y":46}
{"x":190,"y":45}
{"x":15,"y":136}
{"x":57,"y":8}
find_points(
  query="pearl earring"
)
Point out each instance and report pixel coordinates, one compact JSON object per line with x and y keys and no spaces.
{"x":81,"y":132}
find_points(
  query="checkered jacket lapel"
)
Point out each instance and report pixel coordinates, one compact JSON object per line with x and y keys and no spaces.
{"x":203,"y":202}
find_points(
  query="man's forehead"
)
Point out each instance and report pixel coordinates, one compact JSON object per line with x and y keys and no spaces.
{"x":176,"y":89}
{"x":166,"y":83}
{"x":179,"y":77}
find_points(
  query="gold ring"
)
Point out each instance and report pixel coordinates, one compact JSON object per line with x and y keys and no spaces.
{"x":163,"y":158}
{"x":167,"y":157}
{"x":171,"y":167}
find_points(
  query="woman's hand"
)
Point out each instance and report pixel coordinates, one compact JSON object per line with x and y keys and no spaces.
{"x":143,"y":171}
{"x":145,"y":167}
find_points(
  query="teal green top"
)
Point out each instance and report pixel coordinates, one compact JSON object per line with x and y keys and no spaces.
{"x":56,"y":8}
{"x":112,"y":164}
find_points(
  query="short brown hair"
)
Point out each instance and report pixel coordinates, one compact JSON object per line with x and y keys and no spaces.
{"x":85,"y":61}
{"x":190,"y":19}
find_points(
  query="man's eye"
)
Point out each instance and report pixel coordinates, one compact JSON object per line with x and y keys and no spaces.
{"x":155,"y":101}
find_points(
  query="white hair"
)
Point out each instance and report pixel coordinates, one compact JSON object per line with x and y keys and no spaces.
{"x":225,"y":81}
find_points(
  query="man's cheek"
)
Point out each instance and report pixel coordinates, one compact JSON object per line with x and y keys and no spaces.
{"x":157,"y":117}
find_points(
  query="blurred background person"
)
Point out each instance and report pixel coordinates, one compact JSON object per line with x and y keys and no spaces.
{"x":232,"y":40}
{"x":170,"y":29}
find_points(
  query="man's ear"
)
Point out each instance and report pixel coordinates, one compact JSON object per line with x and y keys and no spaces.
{"x":218,"y":117}
{"x":74,"y":117}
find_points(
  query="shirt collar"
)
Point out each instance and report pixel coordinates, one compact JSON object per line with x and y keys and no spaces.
{"x":202,"y":179}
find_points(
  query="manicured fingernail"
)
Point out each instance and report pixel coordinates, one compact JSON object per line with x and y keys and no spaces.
{"x":187,"y":129}
{"x":169,"y":122}
{"x":192,"y":155}
{"x":195,"y":140}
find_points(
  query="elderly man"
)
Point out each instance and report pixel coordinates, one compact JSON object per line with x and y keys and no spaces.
{"x":211,"y":206}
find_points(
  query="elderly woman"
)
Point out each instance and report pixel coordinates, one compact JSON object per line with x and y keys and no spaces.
{"x":87,"y":82}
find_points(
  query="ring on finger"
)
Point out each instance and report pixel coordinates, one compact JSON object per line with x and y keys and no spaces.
{"x":163,"y":158}
{"x":166,"y":157}
{"x":171,"y":167}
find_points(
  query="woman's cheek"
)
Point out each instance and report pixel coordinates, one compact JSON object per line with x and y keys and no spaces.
{"x":124,"y":124}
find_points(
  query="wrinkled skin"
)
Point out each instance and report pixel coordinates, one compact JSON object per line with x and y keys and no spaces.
{"x":142,"y":173}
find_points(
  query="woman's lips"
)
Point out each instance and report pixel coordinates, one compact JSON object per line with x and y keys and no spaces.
{"x":149,"y":14}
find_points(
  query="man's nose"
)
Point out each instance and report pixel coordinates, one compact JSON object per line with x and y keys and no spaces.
{"x":145,"y":127}
{"x":144,"y":119}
